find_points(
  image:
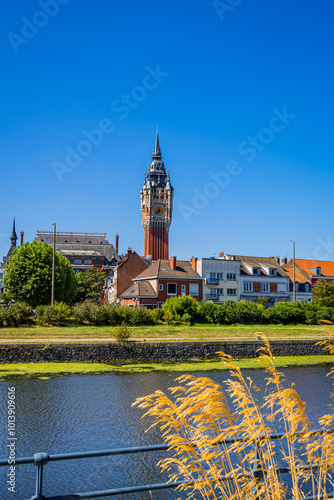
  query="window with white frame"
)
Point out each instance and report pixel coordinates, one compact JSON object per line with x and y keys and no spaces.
{"x":265,"y":287}
{"x":213,"y":276}
{"x":273,"y":272}
{"x":219,"y":276}
{"x":256,"y":270}
{"x":307,"y":287}
{"x":231,"y":276}
{"x":281,"y":287}
{"x":171,"y":289}
{"x":220,"y":291}
{"x":161,"y":287}
{"x":87,"y":261}
{"x":231,"y":291}
{"x":77,"y":261}
{"x":193,"y":289}
{"x":248,"y":286}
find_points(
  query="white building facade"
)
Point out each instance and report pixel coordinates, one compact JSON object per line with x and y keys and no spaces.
{"x":262,"y":277}
{"x":221,"y":279}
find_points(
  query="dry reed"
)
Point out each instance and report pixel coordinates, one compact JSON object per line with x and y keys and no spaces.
{"x":221,"y":439}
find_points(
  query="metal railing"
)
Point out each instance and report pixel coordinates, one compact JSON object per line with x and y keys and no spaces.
{"x":213,"y":297}
{"x":42,"y":459}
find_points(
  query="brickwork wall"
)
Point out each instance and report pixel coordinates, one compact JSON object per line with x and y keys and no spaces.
{"x":128,"y":270}
{"x":163,"y":296}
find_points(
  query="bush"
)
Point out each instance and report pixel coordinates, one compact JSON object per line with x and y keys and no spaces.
{"x":244,"y":312}
{"x":56,"y":315}
{"x":179,"y":306}
{"x":158,"y":315}
{"x":169,"y":318}
{"x":90,"y":313}
{"x":311,"y":317}
{"x":285,"y":313}
{"x":206,"y":311}
{"x":325,"y":314}
{"x":141,"y":316}
{"x":186,"y":318}
{"x":18,"y":314}
{"x":122,"y":333}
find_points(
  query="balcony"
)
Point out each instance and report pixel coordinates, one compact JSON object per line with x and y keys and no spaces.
{"x":208,"y":296}
{"x":211,"y":281}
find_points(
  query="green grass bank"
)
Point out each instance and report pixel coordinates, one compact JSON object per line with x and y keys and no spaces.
{"x":47,"y":370}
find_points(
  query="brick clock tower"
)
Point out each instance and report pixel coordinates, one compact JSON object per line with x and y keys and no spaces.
{"x":156,"y":199}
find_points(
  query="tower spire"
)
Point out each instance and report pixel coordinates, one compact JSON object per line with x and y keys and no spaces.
{"x":157,"y":152}
{"x":13,"y":237}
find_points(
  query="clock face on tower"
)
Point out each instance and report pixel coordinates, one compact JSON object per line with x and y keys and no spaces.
{"x":158,"y":210}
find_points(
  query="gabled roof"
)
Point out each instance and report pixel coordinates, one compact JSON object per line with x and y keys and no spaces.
{"x":327,"y":266}
{"x":259,"y":262}
{"x":300,"y":276}
{"x":126,"y":258}
{"x":162,"y":269}
{"x":139,"y":289}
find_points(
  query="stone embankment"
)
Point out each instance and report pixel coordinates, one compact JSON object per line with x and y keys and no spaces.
{"x":149,"y":351}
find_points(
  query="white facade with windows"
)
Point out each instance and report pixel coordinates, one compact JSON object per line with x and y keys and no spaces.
{"x":220,"y":279}
{"x":262,"y":277}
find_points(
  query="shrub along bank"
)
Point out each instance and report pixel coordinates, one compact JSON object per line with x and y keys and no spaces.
{"x":176,"y":310}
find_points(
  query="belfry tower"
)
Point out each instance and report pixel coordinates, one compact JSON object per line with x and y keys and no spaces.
{"x":156,"y":199}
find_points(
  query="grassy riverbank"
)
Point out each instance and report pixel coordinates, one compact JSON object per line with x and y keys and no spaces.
{"x":197,"y":332}
{"x":46,"y":370}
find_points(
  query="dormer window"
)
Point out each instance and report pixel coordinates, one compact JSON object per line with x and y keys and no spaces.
{"x":272,"y":272}
{"x":316,"y":270}
{"x":256,"y":270}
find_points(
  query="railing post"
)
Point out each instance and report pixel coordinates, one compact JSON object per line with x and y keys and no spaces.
{"x":40,"y":459}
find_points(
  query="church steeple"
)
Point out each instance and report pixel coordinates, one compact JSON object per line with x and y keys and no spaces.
{"x":13,"y":237}
{"x":156,"y":206}
{"x":13,"y":240}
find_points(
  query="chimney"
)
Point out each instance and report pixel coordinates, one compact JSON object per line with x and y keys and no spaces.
{"x":172,"y":262}
{"x":116,"y":243}
{"x":194,"y":263}
{"x":278,"y":260}
{"x":22,"y":237}
{"x":284,"y":261}
{"x":129,"y":251}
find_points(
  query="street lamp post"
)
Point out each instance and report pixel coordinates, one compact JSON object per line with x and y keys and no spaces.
{"x":53,"y":264}
{"x":294,"y":270}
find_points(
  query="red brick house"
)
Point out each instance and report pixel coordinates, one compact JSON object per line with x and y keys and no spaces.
{"x":162,"y":280}
{"x":132,"y":265}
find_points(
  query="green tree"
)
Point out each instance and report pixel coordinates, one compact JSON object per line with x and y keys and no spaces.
{"x":90,"y":285}
{"x":28,"y":275}
{"x":323,"y":293}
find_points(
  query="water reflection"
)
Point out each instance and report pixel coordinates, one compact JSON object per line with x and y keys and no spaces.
{"x":88,"y":412}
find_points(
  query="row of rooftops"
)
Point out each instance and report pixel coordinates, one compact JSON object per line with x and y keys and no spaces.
{"x":305,"y":269}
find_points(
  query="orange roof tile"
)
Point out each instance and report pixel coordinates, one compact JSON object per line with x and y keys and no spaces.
{"x":299,"y":277}
{"x":327,"y":266}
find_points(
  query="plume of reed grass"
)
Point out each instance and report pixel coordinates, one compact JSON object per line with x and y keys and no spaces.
{"x":221,"y":439}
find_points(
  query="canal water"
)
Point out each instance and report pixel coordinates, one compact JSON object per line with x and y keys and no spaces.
{"x":90,"y":412}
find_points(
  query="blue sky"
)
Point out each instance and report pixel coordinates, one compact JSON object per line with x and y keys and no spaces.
{"x":242,"y":92}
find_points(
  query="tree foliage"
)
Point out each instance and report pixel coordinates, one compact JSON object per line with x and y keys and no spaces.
{"x":28,"y":275}
{"x":90,"y":285}
{"x":323,"y":293}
